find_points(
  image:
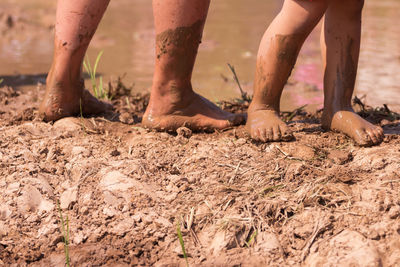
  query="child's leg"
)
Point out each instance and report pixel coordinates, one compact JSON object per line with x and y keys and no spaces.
{"x":76,"y":22}
{"x":341,"y":47}
{"x":179,"y":27}
{"x":277,"y":55}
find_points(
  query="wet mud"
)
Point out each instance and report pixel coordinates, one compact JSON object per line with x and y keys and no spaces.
{"x":338,"y":113}
{"x":278,"y":70}
{"x":182,"y":43}
{"x":289,"y":48}
{"x":184,"y":37}
{"x":263,"y":122}
{"x":349,"y":71}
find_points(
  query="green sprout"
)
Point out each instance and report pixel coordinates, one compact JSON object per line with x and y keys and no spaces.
{"x":99,"y":90}
{"x":65,"y":232}
{"x":252,"y":237}
{"x":180,"y":237}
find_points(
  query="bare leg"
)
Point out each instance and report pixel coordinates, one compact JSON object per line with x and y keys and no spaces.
{"x":341,"y":48}
{"x":179,"y":27}
{"x":76,"y":23}
{"x":277,"y":56}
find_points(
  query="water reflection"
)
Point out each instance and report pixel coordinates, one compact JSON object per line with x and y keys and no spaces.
{"x":232,"y":34}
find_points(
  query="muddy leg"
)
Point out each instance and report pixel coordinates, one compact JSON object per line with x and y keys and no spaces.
{"x":276,"y":58}
{"x":341,"y":46}
{"x":76,"y":23}
{"x":179,"y":27}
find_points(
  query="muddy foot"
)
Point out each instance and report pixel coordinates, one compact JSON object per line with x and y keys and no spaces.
{"x":351,"y":124}
{"x":266,"y":126}
{"x":197,"y":113}
{"x":59,"y":103}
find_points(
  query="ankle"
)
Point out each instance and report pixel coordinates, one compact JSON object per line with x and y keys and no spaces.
{"x":330,"y":112}
{"x":332,"y":109}
{"x":255,"y":106}
{"x":68,"y":76}
{"x":173,"y":89}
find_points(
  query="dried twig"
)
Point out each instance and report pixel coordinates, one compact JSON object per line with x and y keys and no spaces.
{"x":320,"y":227}
{"x":244,"y":95}
{"x":294,"y":113}
{"x":390,"y":181}
{"x":235,"y":173}
{"x":190,"y":220}
{"x":286,"y":154}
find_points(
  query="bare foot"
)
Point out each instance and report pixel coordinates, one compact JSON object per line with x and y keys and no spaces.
{"x":351,"y":124}
{"x":194,"y":111}
{"x":64,"y":101}
{"x":265,"y":125}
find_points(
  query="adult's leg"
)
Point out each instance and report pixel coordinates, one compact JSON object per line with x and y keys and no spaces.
{"x":341,"y":48}
{"x":173,"y":103}
{"x":76,"y":23}
{"x":276,"y":58}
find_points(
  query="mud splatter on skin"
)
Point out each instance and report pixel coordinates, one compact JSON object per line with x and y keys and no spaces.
{"x":264,"y":123}
{"x":180,"y":43}
{"x":286,"y":48}
{"x":338,"y":112}
{"x":180,"y":37}
{"x":349,"y":72}
{"x":289,"y":47}
{"x":345,"y":76}
{"x":86,"y":38}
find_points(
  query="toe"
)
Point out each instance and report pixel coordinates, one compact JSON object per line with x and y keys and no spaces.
{"x":211,"y":124}
{"x":362,"y":138}
{"x":371,"y":134}
{"x":377,"y":138}
{"x":255,"y":134}
{"x":367,"y":139}
{"x":277,"y":133}
{"x":379,"y":132}
{"x":237,"y":119}
{"x":286,"y":133}
{"x":263,"y":135}
{"x":269,"y":134}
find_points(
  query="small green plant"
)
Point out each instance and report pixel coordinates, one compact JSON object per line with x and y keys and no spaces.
{"x":1,"y":81}
{"x":253,"y":235}
{"x":81,"y":118}
{"x":100,"y":92}
{"x":65,"y":232}
{"x":180,"y":237}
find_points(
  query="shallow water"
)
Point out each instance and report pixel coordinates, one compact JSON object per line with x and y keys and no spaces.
{"x":232,"y":34}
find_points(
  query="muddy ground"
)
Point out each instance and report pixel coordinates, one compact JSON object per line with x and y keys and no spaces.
{"x":317,"y":200}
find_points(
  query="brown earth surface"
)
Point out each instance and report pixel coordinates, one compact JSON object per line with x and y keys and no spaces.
{"x":319,"y":200}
